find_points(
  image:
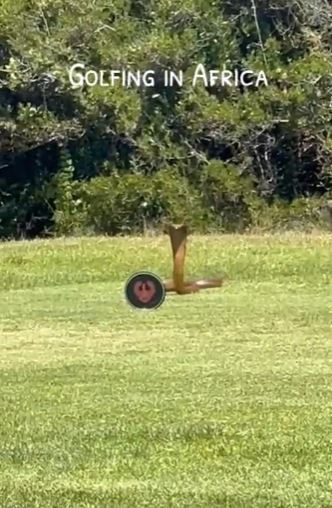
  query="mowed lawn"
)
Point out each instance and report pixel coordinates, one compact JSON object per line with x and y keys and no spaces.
{"x":222,"y":398}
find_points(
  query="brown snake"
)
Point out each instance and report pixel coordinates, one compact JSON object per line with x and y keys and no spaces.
{"x":178,"y":236}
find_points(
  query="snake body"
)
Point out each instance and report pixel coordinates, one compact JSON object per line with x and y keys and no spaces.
{"x":178,"y":236}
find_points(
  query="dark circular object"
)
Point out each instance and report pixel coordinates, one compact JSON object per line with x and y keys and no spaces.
{"x":144,"y":290}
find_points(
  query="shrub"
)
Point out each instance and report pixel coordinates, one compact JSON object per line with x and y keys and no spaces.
{"x":303,"y":214}
{"x":134,"y":202}
{"x":228,"y":196}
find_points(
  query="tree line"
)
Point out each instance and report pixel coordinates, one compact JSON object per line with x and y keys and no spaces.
{"x":96,"y":159}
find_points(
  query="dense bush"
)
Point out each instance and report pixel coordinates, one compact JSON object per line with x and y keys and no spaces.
{"x":224,"y":201}
{"x":130,"y":203}
{"x":117,"y":159}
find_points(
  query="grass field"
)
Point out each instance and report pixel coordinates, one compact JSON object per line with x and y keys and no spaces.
{"x":218,"y":399}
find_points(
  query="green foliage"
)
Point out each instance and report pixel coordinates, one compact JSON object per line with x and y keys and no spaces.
{"x":303,"y":214}
{"x":278,"y":137}
{"x":121,"y":204}
{"x":67,"y":214}
{"x":229,"y":196}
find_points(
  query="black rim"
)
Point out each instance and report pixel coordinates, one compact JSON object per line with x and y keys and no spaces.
{"x":145,"y":291}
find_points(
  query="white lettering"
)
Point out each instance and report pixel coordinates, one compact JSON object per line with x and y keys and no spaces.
{"x":176,"y":78}
{"x":148,"y":78}
{"x":79,"y":77}
{"x":200,"y":73}
{"x":94,"y":76}
{"x":243,"y":82}
{"x":76,"y":78}
{"x":102,"y":82}
{"x":213,"y":76}
{"x":225,"y":78}
{"x":130,"y":77}
{"x":262,"y":77}
{"x":114,"y":75}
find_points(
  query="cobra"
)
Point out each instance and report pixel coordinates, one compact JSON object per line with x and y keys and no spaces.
{"x":178,"y":235}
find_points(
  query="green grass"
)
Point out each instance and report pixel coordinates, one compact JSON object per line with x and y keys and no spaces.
{"x":222,"y":398}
